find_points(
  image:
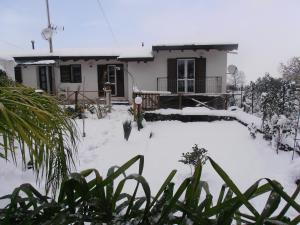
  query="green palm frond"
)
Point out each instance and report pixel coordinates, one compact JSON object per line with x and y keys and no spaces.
{"x":37,"y":128}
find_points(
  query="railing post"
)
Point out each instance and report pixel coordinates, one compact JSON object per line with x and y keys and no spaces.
{"x":180,"y":100}
{"x":76,"y":101}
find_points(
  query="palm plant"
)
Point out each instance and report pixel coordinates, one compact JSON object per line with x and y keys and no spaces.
{"x":88,"y":197}
{"x":34,"y":128}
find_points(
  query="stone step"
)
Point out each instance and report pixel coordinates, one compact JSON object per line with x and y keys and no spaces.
{"x":115,"y":101}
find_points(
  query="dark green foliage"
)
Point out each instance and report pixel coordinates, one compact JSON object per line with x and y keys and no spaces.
{"x":138,"y":117}
{"x":197,"y":156}
{"x":45,"y":135}
{"x":127,"y":129}
{"x":139,"y":120}
{"x":87,"y":197}
{"x":2,"y":73}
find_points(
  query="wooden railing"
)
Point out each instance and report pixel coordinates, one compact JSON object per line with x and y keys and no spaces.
{"x":150,"y":100}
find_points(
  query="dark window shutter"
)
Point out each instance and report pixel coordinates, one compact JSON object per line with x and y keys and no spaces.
{"x":120,"y":81}
{"x":18,"y":74}
{"x":50,"y":75}
{"x":65,"y":74}
{"x":76,"y":74}
{"x":200,"y":76}
{"x":172,"y":75}
{"x":102,"y":69}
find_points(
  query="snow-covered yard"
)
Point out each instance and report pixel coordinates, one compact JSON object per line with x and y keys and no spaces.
{"x":228,"y":143}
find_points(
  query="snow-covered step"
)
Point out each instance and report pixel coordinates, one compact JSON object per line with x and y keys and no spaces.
{"x":116,"y":101}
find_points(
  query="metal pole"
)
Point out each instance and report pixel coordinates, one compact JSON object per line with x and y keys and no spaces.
{"x":296,"y":134}
{"x":252,"y":97}
{"x":49,"y":26}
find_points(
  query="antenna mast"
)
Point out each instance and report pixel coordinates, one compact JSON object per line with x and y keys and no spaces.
{"x":49,"y":26}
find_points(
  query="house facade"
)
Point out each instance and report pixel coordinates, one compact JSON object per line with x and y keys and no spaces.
{"x":167,"y":69}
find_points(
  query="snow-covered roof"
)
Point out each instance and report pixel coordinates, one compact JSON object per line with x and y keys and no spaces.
{"x":39,"y":62}
{"x":123,"y":54}
{"x":6,"y":58}
{"x":120,"y":52}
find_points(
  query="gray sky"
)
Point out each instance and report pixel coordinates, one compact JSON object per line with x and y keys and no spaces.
{"x":267,"y":31}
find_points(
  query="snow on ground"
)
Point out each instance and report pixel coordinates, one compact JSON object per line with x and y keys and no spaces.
{"x":228,"y":143}
{"x":232,"y":112}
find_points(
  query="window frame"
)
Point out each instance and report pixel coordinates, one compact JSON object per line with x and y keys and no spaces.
{"x":185,"y":79}
{"x":71,"y":75}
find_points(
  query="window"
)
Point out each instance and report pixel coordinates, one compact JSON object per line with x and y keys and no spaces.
{"x":185,"y":75}
{"x":70,"y":73}
{"x":18,"y":74}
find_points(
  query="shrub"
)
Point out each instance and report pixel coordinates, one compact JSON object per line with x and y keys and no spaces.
{"x":253,"y":130}
{"x":194,"y":158}
{"x":127,"y":129}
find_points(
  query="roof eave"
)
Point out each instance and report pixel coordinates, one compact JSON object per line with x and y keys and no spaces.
{"x":220,"y":47}
{"x":136,"y":59}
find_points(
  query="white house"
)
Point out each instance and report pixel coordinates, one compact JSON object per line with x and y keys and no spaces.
{"x":181,"y":68}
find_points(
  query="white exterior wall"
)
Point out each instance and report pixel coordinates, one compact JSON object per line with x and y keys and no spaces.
{"x":30,"y":76}
{"x":9,"y":67}
{"x":89,"y":73}
{"x":142,"y":75}
{"x":145,"y":74}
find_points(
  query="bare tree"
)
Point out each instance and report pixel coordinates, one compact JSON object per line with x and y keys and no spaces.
{"x":236,"y":80}
{"x":291,"y":70}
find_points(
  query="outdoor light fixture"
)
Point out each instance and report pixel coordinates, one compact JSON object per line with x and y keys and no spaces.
{"x":138,"y":100}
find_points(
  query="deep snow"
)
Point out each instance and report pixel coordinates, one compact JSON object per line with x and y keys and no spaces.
{"x":228,"y":142}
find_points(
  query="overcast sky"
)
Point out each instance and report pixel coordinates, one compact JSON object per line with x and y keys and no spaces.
{"x":267,"y":31}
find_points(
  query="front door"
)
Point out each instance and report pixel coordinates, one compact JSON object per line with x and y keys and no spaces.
{"x":112,"y":78}
{"x":45,"y":78}
{"x":114,"y":74}
{"x":185,"y":75}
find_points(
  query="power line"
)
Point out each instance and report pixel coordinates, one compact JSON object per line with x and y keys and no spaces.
{"x":11,"y":44}
{"x":107,"y":22}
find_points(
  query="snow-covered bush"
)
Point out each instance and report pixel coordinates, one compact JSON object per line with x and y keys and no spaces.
{"x":253,"y":130}
{"x":268,"y":96}
{"x":275,"y":101}
{"x":282,"y":128}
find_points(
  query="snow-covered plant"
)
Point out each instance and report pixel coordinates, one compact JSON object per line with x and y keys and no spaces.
{"x":267,"y":131}
{"x":253,"y":130}
{"x":127,"y":129}
{"x":282,"y":129}
{"x":138,"y":117}
{"x":195,"y":157}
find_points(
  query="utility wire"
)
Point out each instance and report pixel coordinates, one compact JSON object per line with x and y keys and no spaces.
{"x":11,"y":44}
{"x":108,"y":23}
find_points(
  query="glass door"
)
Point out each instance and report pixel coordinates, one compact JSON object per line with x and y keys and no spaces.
{"x":186,"y":75}
{"x":43,"y":78}
{"x":112,"y":78}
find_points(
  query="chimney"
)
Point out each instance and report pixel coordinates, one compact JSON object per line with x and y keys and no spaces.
{"x":32,"y":44}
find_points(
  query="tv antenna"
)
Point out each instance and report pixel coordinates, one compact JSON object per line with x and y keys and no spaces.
{"x":47,"y":33}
